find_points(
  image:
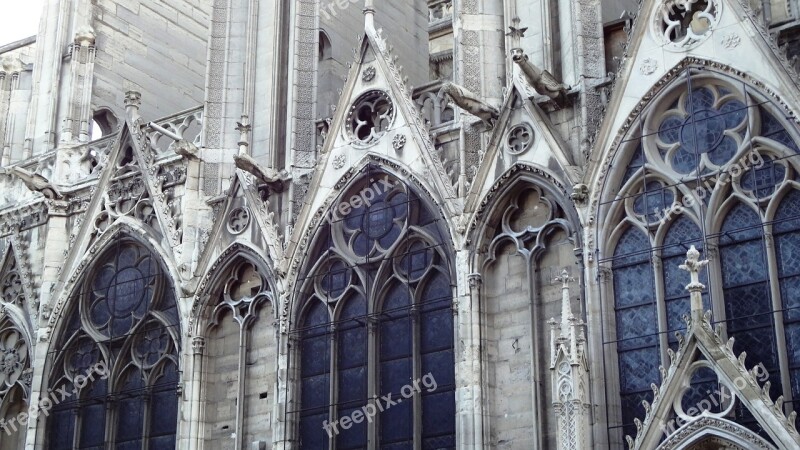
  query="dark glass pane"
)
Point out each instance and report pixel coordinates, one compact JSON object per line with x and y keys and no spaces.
{"x":315,"y":391}
{"x":352,"y":347}
{"x":60,"y":433}
{"x":437,"y":330}
{"x":788,"y":216}
{"x":437,"y":292}
{"x":396,"y":423}
{"x":164,"y":414}
{"x":93,"y":420}
{"x":315,"y":355}
{"x":742,"y":223}
{"x":355,"y":435}
{"x":440,"y":365}
{"x":313,"y":433}
{"x":638,"y":369}
{"x":353,"y":385}
{"x":395,"y":339}
{"x":637,"y":327}
{"x":634,"y":285}
{"x":632,"y":247}
{"x":394,"y":375}
{"x":438,"y":414}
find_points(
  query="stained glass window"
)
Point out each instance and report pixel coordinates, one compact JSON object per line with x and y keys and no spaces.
{"x":715,"y":143}
{"x":382,"y":282}
{"x":118,"y":357}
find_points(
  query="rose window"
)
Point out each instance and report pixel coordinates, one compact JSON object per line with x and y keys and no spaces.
{"x":370,"y":117}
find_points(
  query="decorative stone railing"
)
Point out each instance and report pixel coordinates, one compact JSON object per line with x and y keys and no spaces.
{"x":440,"y":11}
{"x":434,"y":109}
{"x":186,"y":125}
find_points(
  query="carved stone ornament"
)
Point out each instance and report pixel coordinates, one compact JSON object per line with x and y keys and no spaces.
{"x":370,"y":117}
{"x":519,"y":139}
{"x":339,"y":161}
{"x":238,"y":220}
{"x":731,"y":41}
{"x":682,"y":24}
{"x":649,"y":66}
{"x":369,"y":74}
{"x":399,"y":142}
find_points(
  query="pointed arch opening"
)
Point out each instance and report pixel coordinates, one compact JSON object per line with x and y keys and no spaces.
{"x":710,"y":161}
{"x":239,"y":366}
{"x":113,"y":365}
{"x":374,"y":322}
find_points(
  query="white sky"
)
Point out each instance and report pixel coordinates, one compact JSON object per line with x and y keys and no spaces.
{"x":20,"y":19}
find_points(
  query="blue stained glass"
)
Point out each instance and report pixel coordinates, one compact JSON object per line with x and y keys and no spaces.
{"x":703,"y":131}
{"x":790,"y":293}
{"x":353,"y":347}
{"x":632,"y":247}
{"x":337,"y":279}
{"x":670,"y":129}
{"x":164,"y":416}
{"x":62,"y":427}
{"x":378,"y":221}
{"x":130,"y":413}
{"x":312,"y":432}
{"x":633,"y":285}
{"x":684,"y":160}
{"x":631,"y":405}
{"x":742,"y":223}
{"x":743,"y":263}
{"x":437,"y":292}
{"x":441,"y":365}
{"x":395,"y":339}
{"x":653,"y":202}
{"x":787,"y":218}
{"x":637,"y":161}
{"x":437,"y":330}
{"x":394,"y":375}
{"x":734,"y":113}
{"x":396,"y":423}
{"x":764,"y":179}
{"x":638,"y":369}
{"x":92,"y":434}
{"x":699,"y":99}
{"x":355,"y":437}
{"x":315,"y":391}
{"x":682,"y":234}
{"x":793,"y":346}
{"x":724,"y":151}
{"x":353,"y":385}
{"x":438,"y":414}
{"x":637,"y":327}
{"x":748,"y":306}
{"x":769,"y":124}
{"x":314,"y":359}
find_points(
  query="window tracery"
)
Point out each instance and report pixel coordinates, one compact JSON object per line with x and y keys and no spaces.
{"x":376,"y":316}
{"x":711,"y":164}
{"x":117,"y":357}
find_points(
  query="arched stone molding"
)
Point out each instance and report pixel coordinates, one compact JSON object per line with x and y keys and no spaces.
{"x":600,"y":171}
{"x":126,"y":227}
{"x":704,"y":428}
{"x":313,"y":223}
{"x":235,"y":253}
{"x":490,"y":231}
{"x":125,"y":230}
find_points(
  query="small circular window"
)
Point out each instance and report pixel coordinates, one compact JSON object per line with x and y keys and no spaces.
{"x":683,"y":23}
{"x":519,"y":139}
{"x":370,"y":117}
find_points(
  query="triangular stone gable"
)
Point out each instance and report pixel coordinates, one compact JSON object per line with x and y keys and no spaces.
{"x":405,"y":143}
{"x":523,"y":135}
{"x":16,"y":284}
{"x":704,"y":344}
{"x":737,"y":42}
{"x":240,"y":215}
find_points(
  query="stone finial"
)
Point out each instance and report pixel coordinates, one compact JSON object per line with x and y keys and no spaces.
{"x":516,"y":33}
{"x":693,"y":265}
{"x":11,"y":64}
{"x":566,"y":306}
{"x":369,"y":14}
{"x":85,"y":36}
{"x":133,"y":100}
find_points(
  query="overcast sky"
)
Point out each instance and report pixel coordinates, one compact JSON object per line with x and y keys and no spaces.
{"x":19,"y":20}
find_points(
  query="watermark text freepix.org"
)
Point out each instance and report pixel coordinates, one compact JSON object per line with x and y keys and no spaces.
{"x":381,"y":404}
{"x":54,"y":397}
{"x":364,"y":197}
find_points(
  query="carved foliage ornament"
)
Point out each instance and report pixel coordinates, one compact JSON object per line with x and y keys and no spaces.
{"x":13,"y":357}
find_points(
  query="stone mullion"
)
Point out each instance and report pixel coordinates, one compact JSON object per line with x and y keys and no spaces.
{"x":777,"y":308}
{"x":661,"y":308}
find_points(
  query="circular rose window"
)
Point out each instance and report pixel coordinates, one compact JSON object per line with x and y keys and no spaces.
{"x":370,"y":117}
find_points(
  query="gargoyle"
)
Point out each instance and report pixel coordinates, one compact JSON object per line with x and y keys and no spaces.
{"x":469,"y":102}
{"x":34,"y":182}
{"x":275,"y":181}
{"x":542,"y":81}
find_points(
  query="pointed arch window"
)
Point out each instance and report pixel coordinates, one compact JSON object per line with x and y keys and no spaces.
{"x":116,"y":357}
{"x":713,"y":164}
{"x":375,"y":328}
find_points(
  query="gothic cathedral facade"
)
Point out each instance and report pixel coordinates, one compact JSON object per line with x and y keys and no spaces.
{"x":406,"y":224}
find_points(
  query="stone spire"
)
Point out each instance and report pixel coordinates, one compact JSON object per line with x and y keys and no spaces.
{"x":569,"y":374}
{"x":693,"y":265}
